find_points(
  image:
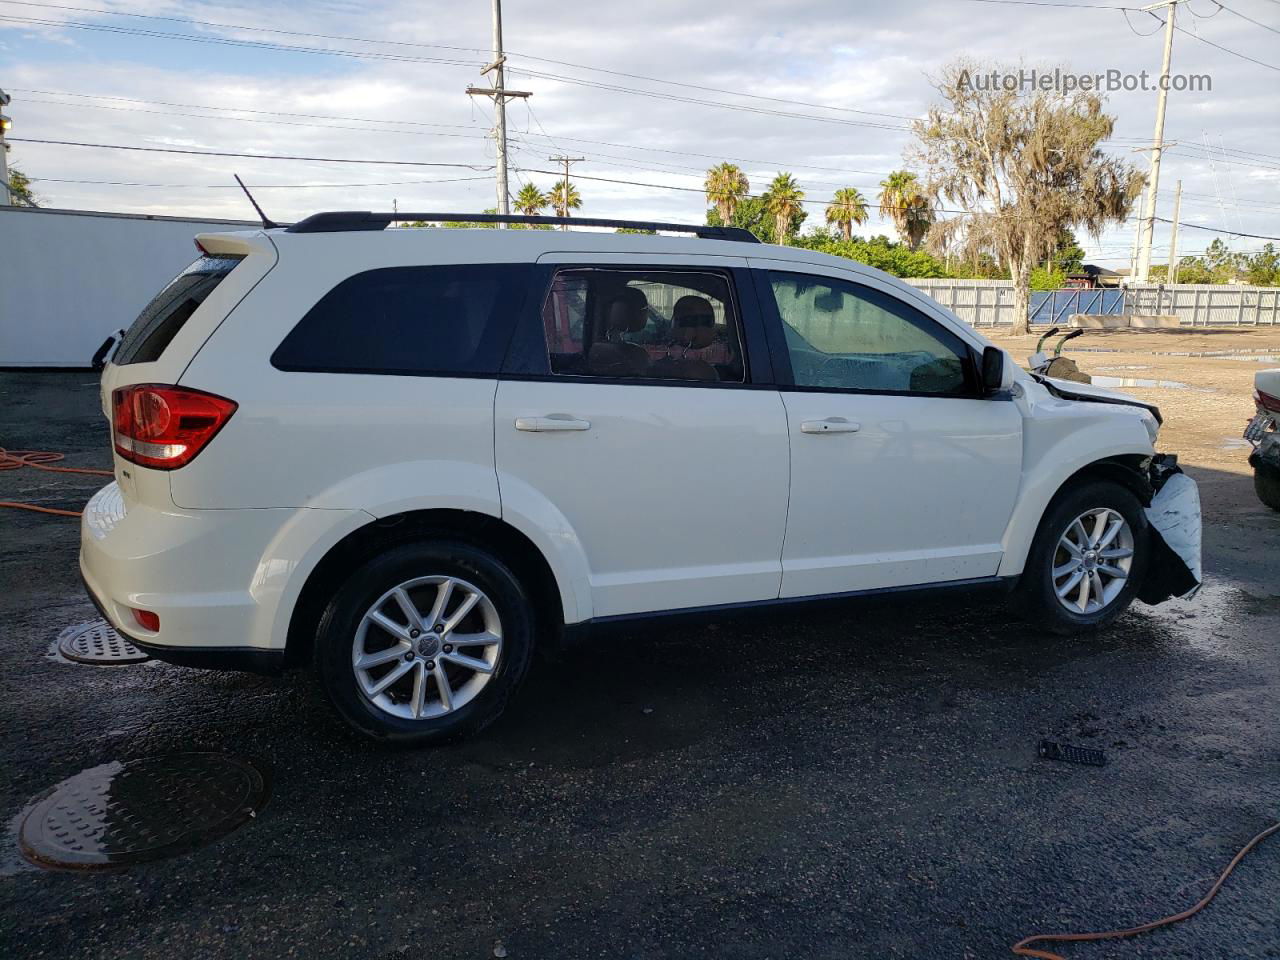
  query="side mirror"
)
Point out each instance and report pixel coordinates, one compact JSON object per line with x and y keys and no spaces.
{"x":992,"y":370}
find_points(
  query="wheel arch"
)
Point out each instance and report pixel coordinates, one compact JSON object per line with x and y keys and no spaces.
{"x":480,"y":530}
{"x":1129,"y":470}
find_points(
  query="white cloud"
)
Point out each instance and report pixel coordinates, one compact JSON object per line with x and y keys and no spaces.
{"x":856,"y":57}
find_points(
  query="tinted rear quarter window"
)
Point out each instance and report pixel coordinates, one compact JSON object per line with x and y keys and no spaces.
{"x":439,"y":320}
{"x":171,"y":308}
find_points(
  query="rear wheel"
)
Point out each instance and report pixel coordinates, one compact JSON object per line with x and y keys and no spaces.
{"x":1087,"y":560}
{"x":1266,"y":483}
{"x":425,"y":642}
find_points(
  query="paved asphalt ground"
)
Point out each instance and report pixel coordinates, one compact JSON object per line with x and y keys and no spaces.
{"x":860,"y":785}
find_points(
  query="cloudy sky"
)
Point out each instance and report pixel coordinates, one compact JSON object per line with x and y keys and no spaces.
{"x":647,"y":92}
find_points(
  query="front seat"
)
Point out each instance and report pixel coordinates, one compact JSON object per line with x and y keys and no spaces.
{"x":612,"y":356}
{"x":693,"y":327}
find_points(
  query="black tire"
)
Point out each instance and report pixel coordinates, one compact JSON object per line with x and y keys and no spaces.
{"x":400,"y":564}
{"x":1035,"y":597}
{"x":1266,"y":484}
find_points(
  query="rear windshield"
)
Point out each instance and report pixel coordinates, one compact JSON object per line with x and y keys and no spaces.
{"x":169,"y":309}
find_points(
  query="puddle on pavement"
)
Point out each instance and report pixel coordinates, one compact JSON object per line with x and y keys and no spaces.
{"x":1263,"y":355}
{"x":124,"y":813}
{"x":1113,"y":382}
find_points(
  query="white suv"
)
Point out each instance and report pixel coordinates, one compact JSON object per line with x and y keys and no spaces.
{"x":409,"y":456}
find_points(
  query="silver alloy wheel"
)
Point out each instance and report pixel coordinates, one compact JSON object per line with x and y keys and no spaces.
{"x":1092,"y":561}
{"x":427,"y":647}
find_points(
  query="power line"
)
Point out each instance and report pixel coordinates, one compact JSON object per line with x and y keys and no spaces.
{"x":273,"y":122}
{"x":209,"y":106}
{"x":779,"y":164}
{"x":1234,"y":53}
{"x":256,"y":186}
{"x":401,"y":58}
{"x":423,"y":163}
{"x":1128,"y":10}
{"x":224,"y":41}
{"x":1053,"y":3}
{"x":240,"y":26}
{"x":676,"y":98}
{"x":1233,"y":233}
{"x":407,"y":43}
{"x":1257,"y":23}
{"x":249,"y":156}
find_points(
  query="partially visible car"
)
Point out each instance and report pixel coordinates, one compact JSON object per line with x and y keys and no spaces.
{"x":1263,"y":432}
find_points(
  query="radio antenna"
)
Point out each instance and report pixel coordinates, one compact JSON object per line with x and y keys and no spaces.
{"x":267,"y":222}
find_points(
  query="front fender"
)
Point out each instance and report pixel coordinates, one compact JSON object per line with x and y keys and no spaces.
{"x":1060,"y":438}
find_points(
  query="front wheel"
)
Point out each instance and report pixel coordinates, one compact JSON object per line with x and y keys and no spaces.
{"x":425,"y":642}
{"x":1266,"y":484}
{"x":1087,"y":561}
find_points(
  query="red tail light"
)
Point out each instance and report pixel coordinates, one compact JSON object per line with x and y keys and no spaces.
{"x":165,"y":427}
{"x":1267,"y":401}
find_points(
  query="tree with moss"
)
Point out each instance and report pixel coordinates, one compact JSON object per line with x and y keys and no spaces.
{"x":1023,"y":165}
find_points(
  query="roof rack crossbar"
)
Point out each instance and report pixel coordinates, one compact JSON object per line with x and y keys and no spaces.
{"x":342,"y":221}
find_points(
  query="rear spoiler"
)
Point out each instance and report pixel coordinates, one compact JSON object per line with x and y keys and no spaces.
{"x":238,"y":244}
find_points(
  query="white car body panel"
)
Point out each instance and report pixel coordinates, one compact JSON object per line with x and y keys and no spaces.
{"x":920,"y":493}
{"x":676,"y":496}
{"x":654,"y":491}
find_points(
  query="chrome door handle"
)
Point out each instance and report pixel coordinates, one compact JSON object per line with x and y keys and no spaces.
{"x":830,"y":425}
{"x":551,"y":422}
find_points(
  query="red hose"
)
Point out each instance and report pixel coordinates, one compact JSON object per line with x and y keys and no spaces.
{"x":1022,"y":950}
{"x":41,"y":460}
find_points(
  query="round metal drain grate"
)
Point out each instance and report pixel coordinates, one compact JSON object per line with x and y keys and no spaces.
{"x":121,"y":814}
{"x":98,"y":643}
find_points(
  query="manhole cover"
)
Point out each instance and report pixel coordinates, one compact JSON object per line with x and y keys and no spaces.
{"x":98,"y":642}
{"x":120,"y":814}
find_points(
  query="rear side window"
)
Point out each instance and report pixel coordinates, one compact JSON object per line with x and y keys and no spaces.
{"x":643,"y":325}
{"x":442,"y":320}
{"x":172,"y":307}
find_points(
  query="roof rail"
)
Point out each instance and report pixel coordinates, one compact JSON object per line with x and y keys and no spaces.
{"x":342,"y":221}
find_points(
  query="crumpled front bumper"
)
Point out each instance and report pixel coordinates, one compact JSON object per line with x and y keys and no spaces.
{"x":1175,"y":526}
{"x":1267,"y":452}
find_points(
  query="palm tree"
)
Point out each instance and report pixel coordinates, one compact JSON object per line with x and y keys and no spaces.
{"x":782,"y":202}
{"x":530,"y":200}
{"x":726,"y":184}
{"x":903,"y":201}
{"x":563,"y":198}
{"x":847,"y":207}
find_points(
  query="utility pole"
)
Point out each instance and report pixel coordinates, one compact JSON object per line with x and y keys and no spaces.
{"x":566,"y":161}
{"x":499,"y":95}
{"x":1173,"y":240}
{"x":5,"y":123}
{"x":1146,"y":227}
{"x":1137,"y":239}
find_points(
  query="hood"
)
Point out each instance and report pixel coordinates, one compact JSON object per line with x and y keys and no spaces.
{"x":1070,"y":390}
{"x":1090,"y":391}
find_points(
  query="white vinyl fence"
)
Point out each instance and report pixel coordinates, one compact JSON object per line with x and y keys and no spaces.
{"x":982,"y":303}
{"x":70,"y":278}
{"x":987,"y":303}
